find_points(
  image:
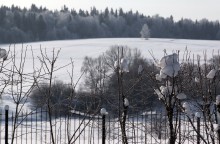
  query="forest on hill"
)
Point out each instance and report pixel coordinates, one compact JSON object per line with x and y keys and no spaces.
{"x":40,"y":24}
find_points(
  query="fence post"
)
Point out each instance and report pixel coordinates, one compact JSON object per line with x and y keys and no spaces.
{"x":198,"y":130}
{"x":103,"y":113}
{"x":103,"y":129}
{"x":160,"y":126}
{"x":218,"y":115}
{"x":6,"y":123}
{"x":218,"y":131}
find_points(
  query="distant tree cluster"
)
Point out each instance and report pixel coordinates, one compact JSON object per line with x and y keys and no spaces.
{"x":39,"y":24}
{"x":101,"y":85}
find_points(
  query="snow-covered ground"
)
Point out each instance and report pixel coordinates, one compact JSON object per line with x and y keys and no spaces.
{"x":78,"y":49}
{"x":143,"y":129}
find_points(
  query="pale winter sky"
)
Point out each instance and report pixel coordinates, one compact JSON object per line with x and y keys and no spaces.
{"x":193,"y":9}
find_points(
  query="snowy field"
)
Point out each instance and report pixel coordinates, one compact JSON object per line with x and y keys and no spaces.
{"x":78,"y":49}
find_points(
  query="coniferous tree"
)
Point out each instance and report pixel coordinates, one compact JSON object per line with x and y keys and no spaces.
{"x":145,"y":32}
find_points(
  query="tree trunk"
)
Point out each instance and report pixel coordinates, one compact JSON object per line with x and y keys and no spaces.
{"x":172,"y":135}
{"x":124,"y":136}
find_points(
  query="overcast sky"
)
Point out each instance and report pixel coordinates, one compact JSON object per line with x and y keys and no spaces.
{"x":193,"y":9}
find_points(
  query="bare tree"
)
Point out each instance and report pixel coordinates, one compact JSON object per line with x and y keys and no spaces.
{"x":203,"y":90}
{"x":4,"y":80}
{"x":48,"y":63}
{"x":189,"y":87}
{"x":17,"y":83}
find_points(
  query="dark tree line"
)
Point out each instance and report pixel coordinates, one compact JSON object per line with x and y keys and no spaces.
{"x":39,"y":24}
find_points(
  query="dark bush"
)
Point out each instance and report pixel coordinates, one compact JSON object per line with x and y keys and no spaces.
{"x":59,"y":97}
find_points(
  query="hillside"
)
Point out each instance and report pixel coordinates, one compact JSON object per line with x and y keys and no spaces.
{"x":78,"y":49}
